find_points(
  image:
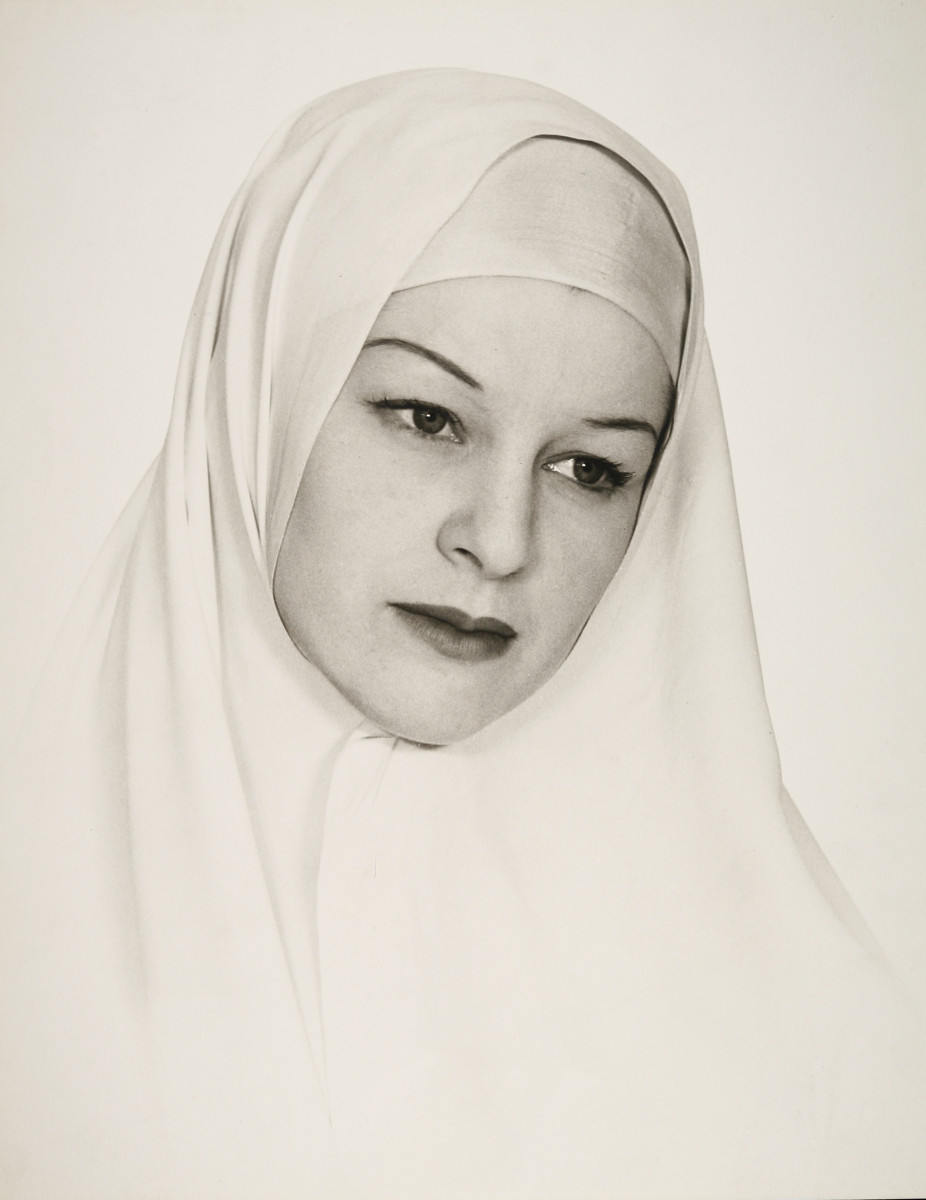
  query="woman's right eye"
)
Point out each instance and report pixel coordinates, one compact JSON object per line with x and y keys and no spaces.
{"x":428,"y":420}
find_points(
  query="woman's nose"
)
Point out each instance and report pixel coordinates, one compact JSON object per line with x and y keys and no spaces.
{"x":491,"y":525}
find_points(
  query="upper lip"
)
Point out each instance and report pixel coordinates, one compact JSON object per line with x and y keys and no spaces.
{"x":459,"y":619}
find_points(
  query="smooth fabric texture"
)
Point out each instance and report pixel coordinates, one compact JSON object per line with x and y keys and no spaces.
{"x":254,"y":948}
{"x":551,"y":209}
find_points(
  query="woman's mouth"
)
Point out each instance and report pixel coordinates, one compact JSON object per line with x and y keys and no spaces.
{"x":454,"y":633}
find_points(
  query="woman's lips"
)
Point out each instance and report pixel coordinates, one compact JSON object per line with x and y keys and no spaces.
{"x":456,"y":634}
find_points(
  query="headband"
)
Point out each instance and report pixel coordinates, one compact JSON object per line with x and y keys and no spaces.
{"x":572,"y":213}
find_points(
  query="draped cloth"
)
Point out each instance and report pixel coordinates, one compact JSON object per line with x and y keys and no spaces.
{"x":255,"y":948}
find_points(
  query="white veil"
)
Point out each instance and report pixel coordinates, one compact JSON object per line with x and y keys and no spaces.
{"x":258,"y":949}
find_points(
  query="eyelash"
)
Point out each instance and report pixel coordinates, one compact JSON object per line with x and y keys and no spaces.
{"x":416,"y":406}
{"x":614,"y":474}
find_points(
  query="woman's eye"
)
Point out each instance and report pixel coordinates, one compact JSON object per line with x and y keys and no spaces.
{"x":425,"y":419}
{"x":597,"y":474}
{"x":429,"y":420}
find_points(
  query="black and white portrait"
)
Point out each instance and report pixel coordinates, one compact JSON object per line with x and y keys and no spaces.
{"x":462,"y":621}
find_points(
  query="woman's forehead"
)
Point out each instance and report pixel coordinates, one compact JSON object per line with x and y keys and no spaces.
{"x":548,"y":347}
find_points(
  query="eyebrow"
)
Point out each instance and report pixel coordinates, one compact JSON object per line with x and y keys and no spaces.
{"x":622,"y":423}
{"x":431,"y":355}
{"x":626,"y":423}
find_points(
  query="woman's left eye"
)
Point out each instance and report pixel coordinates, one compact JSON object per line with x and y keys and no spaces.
{"x":596,"y":474}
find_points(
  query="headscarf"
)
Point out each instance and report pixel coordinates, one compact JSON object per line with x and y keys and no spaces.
{"x":573,"y":214}
{"x":258,"y":948}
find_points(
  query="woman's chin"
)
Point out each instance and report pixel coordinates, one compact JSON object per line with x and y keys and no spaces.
{"x":440,"y":725}
{"x":429,"y":731}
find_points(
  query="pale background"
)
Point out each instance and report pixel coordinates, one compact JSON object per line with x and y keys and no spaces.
{"x":798,"y":128}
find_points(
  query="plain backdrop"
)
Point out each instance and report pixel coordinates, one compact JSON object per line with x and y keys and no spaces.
{"x":798,"y":128}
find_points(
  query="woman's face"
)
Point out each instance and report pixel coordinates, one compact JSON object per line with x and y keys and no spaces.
{"x":469,"y":498}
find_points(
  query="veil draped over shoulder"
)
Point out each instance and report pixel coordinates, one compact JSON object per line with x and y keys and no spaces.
{"x":253,"y":947}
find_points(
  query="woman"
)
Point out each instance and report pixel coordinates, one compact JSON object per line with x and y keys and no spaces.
{"x":402,"y":814}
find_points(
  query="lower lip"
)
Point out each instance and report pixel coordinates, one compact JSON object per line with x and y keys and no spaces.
{"x":478,"y":646}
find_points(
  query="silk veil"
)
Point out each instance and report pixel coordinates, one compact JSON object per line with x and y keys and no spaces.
{"x":257,"y":948}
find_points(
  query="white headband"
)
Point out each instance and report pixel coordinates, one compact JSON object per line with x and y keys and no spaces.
{"x":572,"y":213}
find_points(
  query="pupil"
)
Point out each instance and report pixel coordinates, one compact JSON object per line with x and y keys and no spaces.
{"x":429,"y":420}
{"x":588,"y":470}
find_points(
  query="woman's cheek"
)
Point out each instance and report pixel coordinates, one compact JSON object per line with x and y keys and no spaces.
{"x":588,"y":553}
